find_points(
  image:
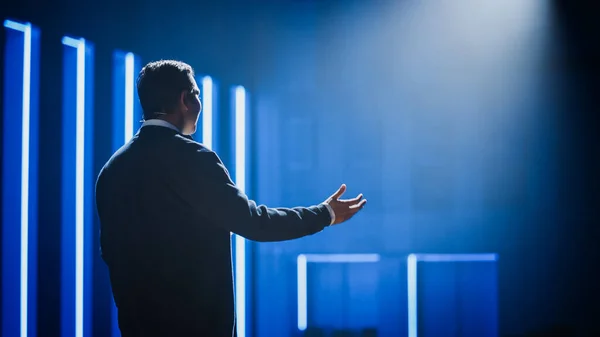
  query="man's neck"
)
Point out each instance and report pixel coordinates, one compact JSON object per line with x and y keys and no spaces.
{"x":173,"y":120}
{"x":161,"y":123}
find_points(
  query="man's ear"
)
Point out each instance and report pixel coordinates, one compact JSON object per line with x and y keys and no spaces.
{"x":183,"y":99}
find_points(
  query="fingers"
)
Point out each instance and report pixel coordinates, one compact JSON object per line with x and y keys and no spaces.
{"x":339,"y":192}
{"x":353,"y":200}
{"x":344,"y":211}
{"x":352,"y":210}
{"x":358,"y":206}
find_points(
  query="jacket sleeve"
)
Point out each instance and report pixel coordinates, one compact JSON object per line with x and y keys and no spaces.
{"x":208,"y":190}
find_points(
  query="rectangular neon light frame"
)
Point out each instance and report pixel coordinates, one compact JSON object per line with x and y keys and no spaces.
{"x":412,"y":261}
{"x":302,"y":262}
{"x":77,"y":178}
{"x":21,"y":120}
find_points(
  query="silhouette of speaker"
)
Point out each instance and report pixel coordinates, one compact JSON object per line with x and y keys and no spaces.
{"x":452,"y":295}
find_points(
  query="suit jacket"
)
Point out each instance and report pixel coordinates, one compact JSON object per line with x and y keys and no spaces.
{"x":167,"y":206}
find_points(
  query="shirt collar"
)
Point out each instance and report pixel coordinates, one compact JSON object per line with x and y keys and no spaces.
{"x":160,"y":122}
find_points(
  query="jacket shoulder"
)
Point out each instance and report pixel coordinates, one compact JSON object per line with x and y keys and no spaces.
{"x":189,"y":144}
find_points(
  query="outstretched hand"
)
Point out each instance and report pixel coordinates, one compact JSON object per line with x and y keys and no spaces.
{"x":345,"y":209}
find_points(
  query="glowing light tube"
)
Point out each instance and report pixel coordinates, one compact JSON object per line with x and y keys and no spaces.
{"x":19,"y":179}
{"x":207,"y":111}
{"x":240,"y":180}
{"x":77,"y":189}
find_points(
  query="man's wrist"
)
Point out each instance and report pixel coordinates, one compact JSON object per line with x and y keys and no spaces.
{"x":331,"y":213}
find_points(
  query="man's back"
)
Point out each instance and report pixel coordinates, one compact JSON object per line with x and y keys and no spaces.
{"x":170,"y":268}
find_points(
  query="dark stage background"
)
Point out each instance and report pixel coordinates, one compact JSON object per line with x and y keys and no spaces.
{"x":471,"y":127}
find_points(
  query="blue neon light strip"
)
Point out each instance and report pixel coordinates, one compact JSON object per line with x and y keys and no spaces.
{"x":77,"y":188}
{"x":302,"y":264}
{"x":129,"y":89}
{"x":240,"y":180}
{"x":207,"y":112}
{"x":19,"y":262}
{"x":412,"y":294}
{"x":412,"y":261}
{"x":126,"y":109}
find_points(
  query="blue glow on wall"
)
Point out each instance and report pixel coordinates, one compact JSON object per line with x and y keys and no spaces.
{"x":20,"y":179}
{"x":77,"y":188}
{"x":484,"y":322}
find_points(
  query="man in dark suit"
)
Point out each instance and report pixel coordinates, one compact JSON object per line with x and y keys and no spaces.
{"x":167,"y":206}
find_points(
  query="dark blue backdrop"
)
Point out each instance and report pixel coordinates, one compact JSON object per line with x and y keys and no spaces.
{"x":481,"y":144}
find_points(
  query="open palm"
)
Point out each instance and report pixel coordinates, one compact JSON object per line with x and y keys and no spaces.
{"x":345,"y":209}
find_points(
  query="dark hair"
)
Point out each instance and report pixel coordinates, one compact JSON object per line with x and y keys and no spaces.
{"x":160,"y":83}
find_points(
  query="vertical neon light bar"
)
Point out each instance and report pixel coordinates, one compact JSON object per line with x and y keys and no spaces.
{"x":126,"y":109}
{"x":129,"y":89}
{"x":302,"y":265}
{"x":240,"y":127}
{"x":412,"y":294}
{"x":77,"y":189}
{"x":19,"y":179}
{"x":126,"y":119}
{"x":207,"y":112}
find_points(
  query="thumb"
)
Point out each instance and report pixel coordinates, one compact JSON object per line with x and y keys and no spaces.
{"x":339,"y":192}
